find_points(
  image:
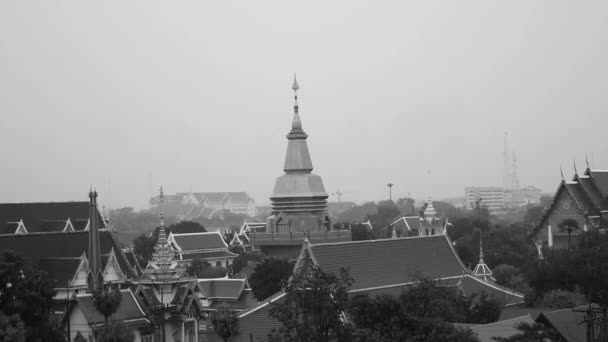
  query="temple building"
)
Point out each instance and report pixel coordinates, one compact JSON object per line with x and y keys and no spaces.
{"x":380,"y":267}
{"x":209,"y":246}
{"x":298,"y":201}
{"x":580,"y":204}
{"x":169,"y":294}
{"x":427,"y":224}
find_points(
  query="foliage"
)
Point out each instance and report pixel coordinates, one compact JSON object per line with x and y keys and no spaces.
{"x":224,"y":322}
{"x":406,"y":206}
{"x":185,"y":227}
{"x":107,"y":302}
{"x":386,"y":318}
{"x":503,"y":273}
{"x":269,"y":277}
{"x":12,"y":328}
{"x":313,"y":305}
{"x":143,"y":248}
{"x":201,"y":268}
{"x":115,"y":331}
{"x":388,"y":211}
{"x":536,"y":332}
{"x":29,"y":294}
{"x":584,"y":270}
{"x":485,"y":309}
{"x":358,"y":213}
{"x":560,"y":299}
{"x":361,"y":232}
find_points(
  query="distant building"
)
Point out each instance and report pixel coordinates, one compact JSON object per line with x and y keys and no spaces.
{"x":427,"y":224}
{"x":530,"y":195}
{"x":491,"y":197}
{"x":191,"y":205}
{"x":581,"y":202}
{"x":299,"y":201}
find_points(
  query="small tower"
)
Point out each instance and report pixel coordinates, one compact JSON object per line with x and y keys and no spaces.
{"x":163,"y":264}
{"x":430,"y":223}
{"x":95,"y":278}
{"x":482,"y":270}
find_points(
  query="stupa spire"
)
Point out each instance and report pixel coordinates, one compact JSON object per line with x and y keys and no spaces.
{"x":482,"y":270}
{"x":298,"y":157}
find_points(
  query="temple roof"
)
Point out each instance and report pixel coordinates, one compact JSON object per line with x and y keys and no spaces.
{"x":35,"y":247}
{"x":198,"y":241}
{"x":390,"y":262}
{"x":128,"y":309}
{"x":45,"y":216}
{"x":224,"y":288}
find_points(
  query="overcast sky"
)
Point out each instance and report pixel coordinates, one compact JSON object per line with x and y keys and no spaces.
{"x":197,"y":95}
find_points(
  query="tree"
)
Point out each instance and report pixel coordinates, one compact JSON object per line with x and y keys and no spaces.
{"x":361,"y":232}
{"x":12,"y":328}
{"x":185,"y":227}
{"x":143,"y":247}
{"x":503,"y":273}
{"x":224,"y":322}
{"x":106,"y":302}
{"x":536,"y":332}
{"x":387,"y":213}
{"x":313,"y":306}
{"x":269,"y":277}
{"x":406,"y":206}
{"x":560,"y":299}
{"x":30,"y":295}
{"x":201,"y":268}
{"x":568,"y":225}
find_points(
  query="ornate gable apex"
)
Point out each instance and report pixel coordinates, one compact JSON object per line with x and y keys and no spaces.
{"x":83,"y":268}
{"x":112,"y":271}
{"x":21,"y":228}
{"x":69,"y":227}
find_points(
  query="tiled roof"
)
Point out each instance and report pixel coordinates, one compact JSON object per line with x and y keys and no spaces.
{"x":390,"y":262}
{"x":601,"y":180}
{"x":208,"y":255}
{"x":44,"y":217}
{"x":582,"y":200}
{"x":197,"y":241}
{"x":239,"y":197}
{"x":473,"y":285}
{"x":245,"y":301}
{"x":37,"y":246}
{"x":222,"y":288}
{"x":61,"y":270}
{"x":128,"y":309}
{"x":566,"y":322}
{"x":591,"y":190}
{"x":506,"y":328}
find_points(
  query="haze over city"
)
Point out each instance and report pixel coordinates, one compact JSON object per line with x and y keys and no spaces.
{"x":129,"y":96}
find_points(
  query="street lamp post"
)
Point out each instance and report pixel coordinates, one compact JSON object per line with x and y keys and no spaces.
{"x":390,"y":191}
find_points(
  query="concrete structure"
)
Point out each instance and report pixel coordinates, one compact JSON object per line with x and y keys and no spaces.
{"x":491,"y":197}
{"x":298,"y":201}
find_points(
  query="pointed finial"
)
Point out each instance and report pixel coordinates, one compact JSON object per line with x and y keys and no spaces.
{"x":562,"y":172}
{"x":575,"y":171}
{"x":480,"y":249}
{"x":162,"y":216}
{"x":295,"y":86}
{"x":587,"y":161}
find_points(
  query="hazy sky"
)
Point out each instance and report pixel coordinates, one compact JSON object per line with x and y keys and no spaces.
{"x":197,"y":95}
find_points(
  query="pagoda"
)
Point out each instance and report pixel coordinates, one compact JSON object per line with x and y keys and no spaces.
{"x":298,"y":201}
{"x":482,"y":271}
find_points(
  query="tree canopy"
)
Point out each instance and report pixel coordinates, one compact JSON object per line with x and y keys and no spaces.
{"x":26,"y":299}
{"x":269,"y":277}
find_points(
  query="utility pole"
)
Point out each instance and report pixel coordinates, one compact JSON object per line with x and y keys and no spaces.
{"x":390,"y":191}
{"x":67,"y":308}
